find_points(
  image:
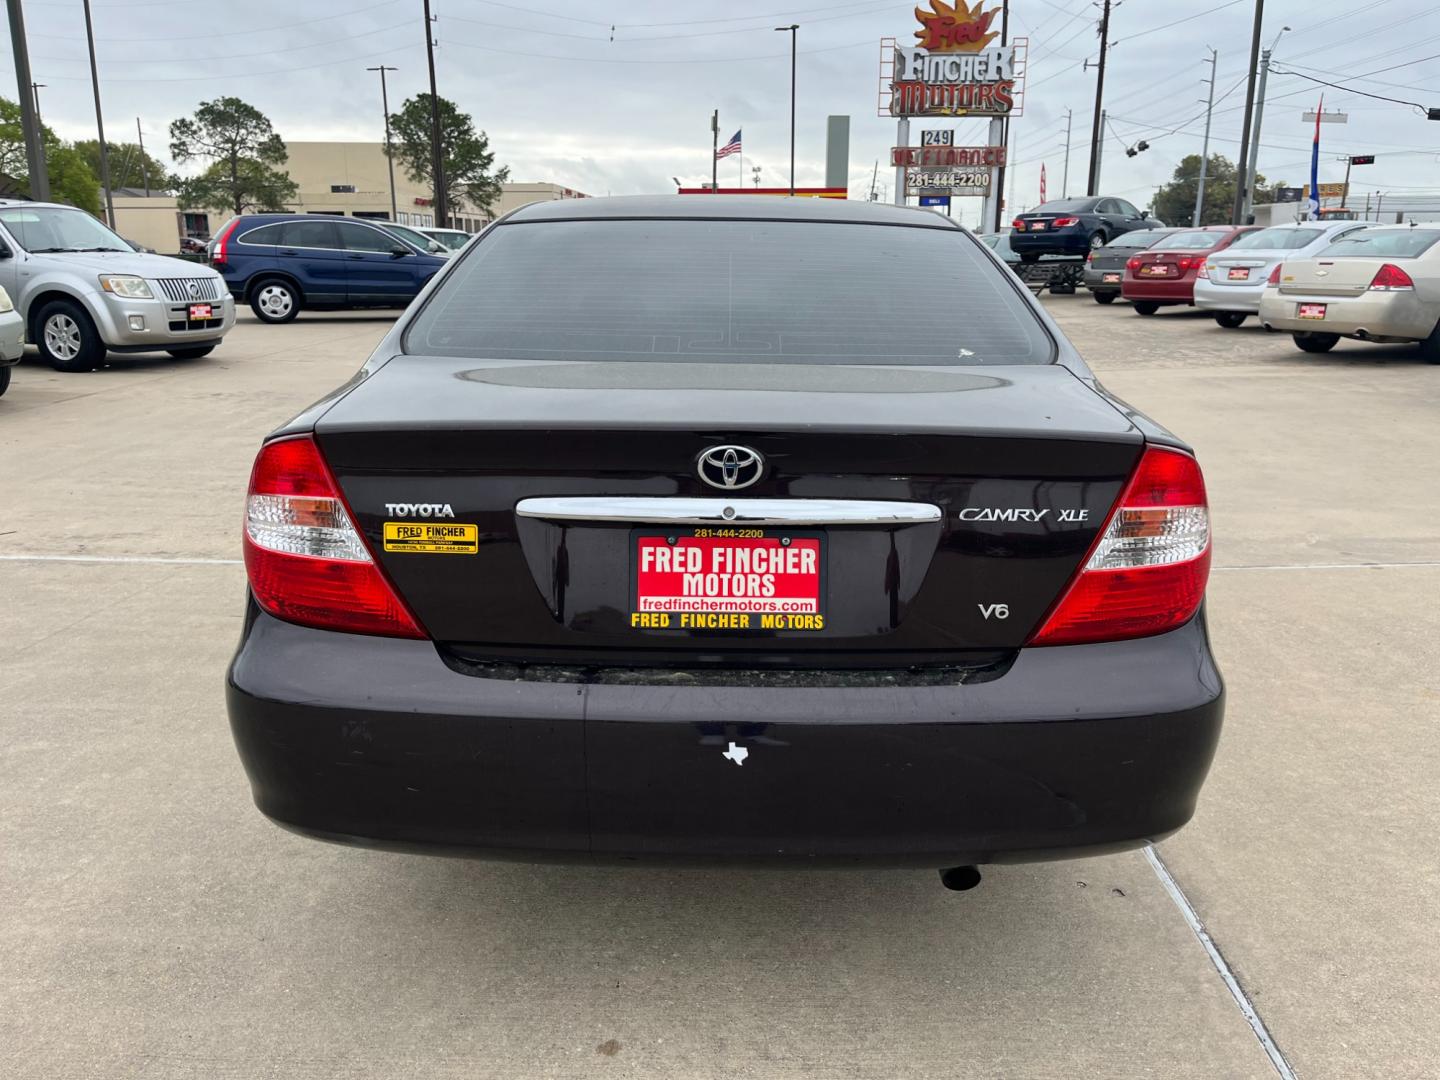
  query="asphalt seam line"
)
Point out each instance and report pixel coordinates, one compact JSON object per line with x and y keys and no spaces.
{"x":1242,"y":999}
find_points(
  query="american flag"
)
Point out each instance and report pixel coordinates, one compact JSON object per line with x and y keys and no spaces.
{"x":731,"y":147}
{"x":1042,"y":181}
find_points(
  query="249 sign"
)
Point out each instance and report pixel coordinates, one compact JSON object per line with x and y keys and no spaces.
{"x":937,"y":138}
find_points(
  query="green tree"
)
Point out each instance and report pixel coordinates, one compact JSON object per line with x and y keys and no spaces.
{"x":1175,"y":201}
{"x":470,"y":174}
{"x":71,"y":180}
{"x":130,"y":166}
{"x":244,"y":153}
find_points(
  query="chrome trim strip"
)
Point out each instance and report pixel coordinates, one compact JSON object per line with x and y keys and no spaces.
{"x":688,"y":511}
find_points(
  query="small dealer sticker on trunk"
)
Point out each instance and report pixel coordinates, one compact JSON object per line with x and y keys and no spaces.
{"x":425,"y":538}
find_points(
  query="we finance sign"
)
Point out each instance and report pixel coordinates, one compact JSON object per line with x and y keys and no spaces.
{"x":955,"y":68}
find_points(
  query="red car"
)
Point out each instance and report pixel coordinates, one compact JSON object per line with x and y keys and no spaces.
{"x":1165,"y":273}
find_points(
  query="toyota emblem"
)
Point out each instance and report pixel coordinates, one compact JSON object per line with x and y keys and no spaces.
{"x":730,"y":467}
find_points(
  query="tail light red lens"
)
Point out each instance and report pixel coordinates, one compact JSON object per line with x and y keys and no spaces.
{"x":1146,"y":573}
{"x":1274,"y":278}
{"x":306,"y":561}
{"x":1390,"y":278}
{"x":1065,"y":222}
{"x":217,"y":254}
{"x":1018,"y":225}
{"x":1133,"y":263}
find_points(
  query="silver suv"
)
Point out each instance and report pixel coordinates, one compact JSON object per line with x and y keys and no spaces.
{"x":82,"y":290}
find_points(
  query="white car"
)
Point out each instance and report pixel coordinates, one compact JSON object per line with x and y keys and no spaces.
{"x":1234,"y":279}
{"x":454,"y":239}
{"x":12,"y":339}
{"x":1378,"y":284}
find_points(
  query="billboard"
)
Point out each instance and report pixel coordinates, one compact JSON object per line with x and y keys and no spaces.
{"x":955,"y":68}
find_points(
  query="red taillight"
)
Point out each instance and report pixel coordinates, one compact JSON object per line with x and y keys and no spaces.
{"x":1390,"y":278}
{"x":1274,"y":278}
{"x":1147,"y":570}
{"x":217,"y":253}
{"x":1133,"y":263}
{"x":1065,"y":222}
{"x":1090,"y":256}
{"x":1018,"y":225}
{"x":306,"y":561}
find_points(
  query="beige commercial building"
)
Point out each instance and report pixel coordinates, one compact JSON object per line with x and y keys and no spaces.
{"x":350,"y":178}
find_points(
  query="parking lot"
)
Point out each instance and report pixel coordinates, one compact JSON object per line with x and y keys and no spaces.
{"x":154,"y":924}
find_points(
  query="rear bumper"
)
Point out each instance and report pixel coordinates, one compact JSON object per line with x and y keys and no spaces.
{"x":1095,"y":279}
{"x":1165,"y":292}
{"x":1243,"y":298}
{"x":1070,"y":242}
{"x":1075,"y":750}
{"x":1388,"y":315}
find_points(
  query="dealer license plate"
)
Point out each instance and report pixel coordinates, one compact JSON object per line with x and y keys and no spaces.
{"x":727,"y":578}
{"x":1109,"y":279}
{"x":1037,"y":226}
{"x":1311,"y":311}
{"x":1239,"y":273}
{"x":201,"y":311}
{"x":1154,"y":270}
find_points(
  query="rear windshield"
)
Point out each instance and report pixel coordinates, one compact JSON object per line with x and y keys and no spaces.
{"x":1376,"y":243}
{"x":1071,"y":205}
{"x":1136,"y":238}
{"x":786,"y":292}
{"x":1189,"y":240}
{"x":1281,"y":239}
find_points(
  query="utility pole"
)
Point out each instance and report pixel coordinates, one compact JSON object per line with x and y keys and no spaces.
{"x":1249,"y":179}
{"x":1242,"y":186}
{"x":1097,"y":133}
{"x":715,"y":152}
{"x":389,"y":157}
{"x":1099,"y":155}
{"x":1205,"y":146}
{"x":1065,"y":177}
{"x":793,"y":30}
{"x":29,"y":115}
{"x":35,"y":88}
{"x":99,"y":121}
{"x":1345,"y":191}
{"x":144,"y":169}
{"x":1004,"y":133}
{"x":874,"y":175}
{"x":437,"y":149}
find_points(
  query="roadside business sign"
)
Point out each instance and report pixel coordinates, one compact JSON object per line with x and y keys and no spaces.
{"x":952,"y":157}
{"x":937,"y":137}
{"x":934,"y":200}
{"x":947,"y":181}
{"x":1327,"y":191}
{"x":955,"y":68}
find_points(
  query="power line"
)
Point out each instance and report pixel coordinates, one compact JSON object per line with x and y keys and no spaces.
{"x":233,"y":33}
{"x":234,"y":56}
{"x":1352,"y":90}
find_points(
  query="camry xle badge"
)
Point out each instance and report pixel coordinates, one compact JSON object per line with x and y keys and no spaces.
{"x":730,"y":467}
{"x":423,"y":510}
{"x":737,"y":754}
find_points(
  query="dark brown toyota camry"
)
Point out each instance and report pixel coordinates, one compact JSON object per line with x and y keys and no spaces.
{"x":727,"y":529}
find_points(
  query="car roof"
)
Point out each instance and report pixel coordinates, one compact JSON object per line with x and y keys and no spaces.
{"x":729,"y":207}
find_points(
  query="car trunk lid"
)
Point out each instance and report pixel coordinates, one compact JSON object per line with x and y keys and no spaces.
{"x":1330,"y":277}
{"x":1020,"y":466}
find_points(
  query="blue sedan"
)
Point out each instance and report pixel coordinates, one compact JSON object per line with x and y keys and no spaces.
{"x":1075,"y":226}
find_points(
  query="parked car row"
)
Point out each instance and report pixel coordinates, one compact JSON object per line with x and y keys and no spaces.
{"x":1319,"y":281}
{"x":78,"y":290}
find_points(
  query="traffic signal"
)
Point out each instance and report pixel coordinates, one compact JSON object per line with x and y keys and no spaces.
{"x":1363,"y":159}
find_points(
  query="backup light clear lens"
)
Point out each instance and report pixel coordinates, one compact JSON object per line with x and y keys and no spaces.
{"x":297,"y":525}
{"x":1152,"y":536}
{"x":6,"y":304}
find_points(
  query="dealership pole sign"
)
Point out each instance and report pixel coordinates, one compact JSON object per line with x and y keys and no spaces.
{"x":955,"y":68}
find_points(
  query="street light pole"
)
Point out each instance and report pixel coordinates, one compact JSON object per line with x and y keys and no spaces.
{"x":792,"y":28}
{"x":99,"y":121}
{"x":35,"y":88}
{"x":1065,"y":178}
{"x":1255,"y":134}
{"x":437,"y":150}
{"x":385,"y":104}
{"x":29,"y":118}
{"x":1097,"y":133}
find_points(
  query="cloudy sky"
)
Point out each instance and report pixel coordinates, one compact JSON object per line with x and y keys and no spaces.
{"x":615,"y":97}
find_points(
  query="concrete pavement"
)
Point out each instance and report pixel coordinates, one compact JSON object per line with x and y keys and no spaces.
{"x":153,"y":924}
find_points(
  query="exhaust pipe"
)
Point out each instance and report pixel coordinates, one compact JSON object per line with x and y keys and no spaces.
{"x":960,"y":878}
